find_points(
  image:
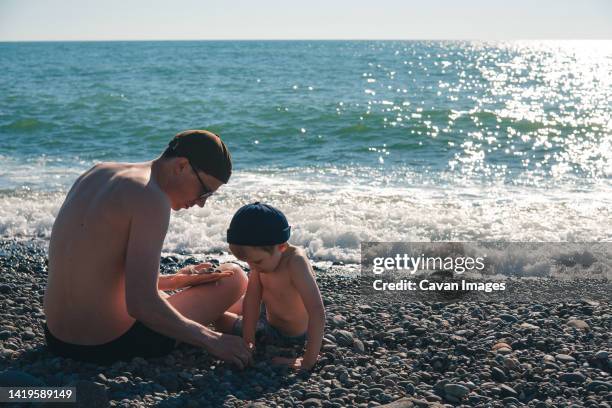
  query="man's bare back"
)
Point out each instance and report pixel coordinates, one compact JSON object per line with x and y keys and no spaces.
{"x":87,"y":254}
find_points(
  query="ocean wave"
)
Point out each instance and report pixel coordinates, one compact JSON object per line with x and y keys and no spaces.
{"x":331,"y":221}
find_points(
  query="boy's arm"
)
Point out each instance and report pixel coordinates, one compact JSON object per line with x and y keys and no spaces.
{"x":250,"y":309}
{"x":306,"y":285}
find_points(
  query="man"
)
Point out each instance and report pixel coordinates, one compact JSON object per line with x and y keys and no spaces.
{"x":104,"y":299}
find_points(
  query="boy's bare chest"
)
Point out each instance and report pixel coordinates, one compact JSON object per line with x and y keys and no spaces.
{"x":277,"y":286}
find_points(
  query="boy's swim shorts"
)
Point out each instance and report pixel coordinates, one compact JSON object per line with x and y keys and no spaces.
{"x":265,"y":332}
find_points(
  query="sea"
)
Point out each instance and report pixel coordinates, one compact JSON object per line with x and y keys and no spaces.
{"x":353,"y":140}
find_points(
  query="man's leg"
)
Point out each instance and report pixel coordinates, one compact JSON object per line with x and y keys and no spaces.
{"x":208,"y":303}
{"x":237,"y":307}
{"x":225,"y":323}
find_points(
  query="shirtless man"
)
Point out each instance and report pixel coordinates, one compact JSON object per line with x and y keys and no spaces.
{"x":104,"y":299}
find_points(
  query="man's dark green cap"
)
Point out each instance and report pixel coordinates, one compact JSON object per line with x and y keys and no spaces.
{"x":204,"y":150}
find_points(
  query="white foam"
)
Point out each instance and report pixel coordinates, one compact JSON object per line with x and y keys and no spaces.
{"x":331,"y":219}
{"x":28,"y":214}
{"x":41,"y":173}
{"x":562,"y":260}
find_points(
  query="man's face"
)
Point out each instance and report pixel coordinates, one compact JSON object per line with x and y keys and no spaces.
{"x":192,"y":186}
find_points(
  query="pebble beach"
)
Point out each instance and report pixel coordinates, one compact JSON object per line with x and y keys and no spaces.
{"x":377,"y":351}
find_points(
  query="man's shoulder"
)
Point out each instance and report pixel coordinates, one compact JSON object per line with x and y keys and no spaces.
{"x":137,"y":178}
{"x":134,"y":186}
{"x":141,"y":196}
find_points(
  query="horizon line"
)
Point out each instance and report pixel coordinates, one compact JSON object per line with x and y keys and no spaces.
{"x":303,"y":39}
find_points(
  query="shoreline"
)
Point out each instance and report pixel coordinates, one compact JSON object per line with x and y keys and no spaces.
{"x":376,"y":350}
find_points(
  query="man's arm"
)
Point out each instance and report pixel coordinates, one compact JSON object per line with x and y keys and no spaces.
{"x":180,"y":280}
{"x":251,"y":305}
{"x":170,"y":282}
{"x":306,"y":285}
{"x":148,"y":226}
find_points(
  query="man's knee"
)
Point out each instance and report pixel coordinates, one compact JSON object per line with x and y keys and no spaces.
{"x":238,"y":280}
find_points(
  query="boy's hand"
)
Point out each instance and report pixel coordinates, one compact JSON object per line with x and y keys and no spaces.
{"x":295,"y":363}
{"x":250,"y":343}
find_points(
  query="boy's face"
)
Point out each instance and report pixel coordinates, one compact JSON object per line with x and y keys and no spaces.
{"x":260,"y":260}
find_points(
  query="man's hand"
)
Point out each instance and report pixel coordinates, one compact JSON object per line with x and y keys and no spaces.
{"x":183,"y":281}
{"x":295,"y":363}
{"x":191,"y":275}
{"x":232,"y":349}
{"x":195,"y":269}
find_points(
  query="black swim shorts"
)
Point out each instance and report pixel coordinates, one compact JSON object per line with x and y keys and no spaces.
{"x":138,"y":341}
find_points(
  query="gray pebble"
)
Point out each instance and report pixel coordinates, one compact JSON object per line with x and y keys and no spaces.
{"x":343,"y":337}
{"x":312,"y":403}
{"x":456,"y":390}
{"x":498,"y":374}
{"x":572,"y":378}
{"x":28,"y":335}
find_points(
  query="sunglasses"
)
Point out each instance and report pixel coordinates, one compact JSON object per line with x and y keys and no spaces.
{"x":206,"y":191}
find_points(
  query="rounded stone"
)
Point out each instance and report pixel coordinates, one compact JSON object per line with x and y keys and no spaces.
{"x":578,"y":324}
{"x":456,"y":390}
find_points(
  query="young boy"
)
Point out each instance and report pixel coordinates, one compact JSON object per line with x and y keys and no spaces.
{"x":281,"y":277}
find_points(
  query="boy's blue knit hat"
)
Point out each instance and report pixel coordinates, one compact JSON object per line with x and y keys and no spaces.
{"x":258,"y":224}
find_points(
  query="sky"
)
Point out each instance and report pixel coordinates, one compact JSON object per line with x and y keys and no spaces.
{"x":73,"y":20}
